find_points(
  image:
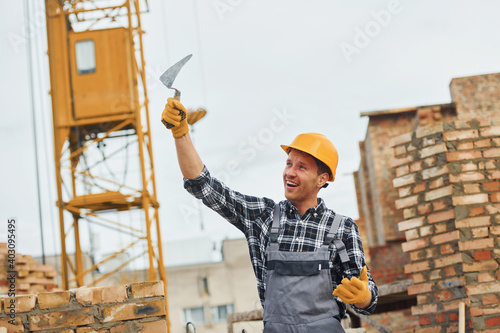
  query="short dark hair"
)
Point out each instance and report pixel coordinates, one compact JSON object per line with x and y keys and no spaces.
{"x":322,"y":168}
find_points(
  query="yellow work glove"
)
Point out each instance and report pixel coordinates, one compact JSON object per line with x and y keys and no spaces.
{"x":354,"y":290}
{"x":174,"y":118}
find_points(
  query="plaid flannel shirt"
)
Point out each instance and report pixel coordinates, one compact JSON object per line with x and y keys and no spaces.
{"x":253,"y":216}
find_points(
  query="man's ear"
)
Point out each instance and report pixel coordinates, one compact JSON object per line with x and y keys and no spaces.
{"x":322,"y":179}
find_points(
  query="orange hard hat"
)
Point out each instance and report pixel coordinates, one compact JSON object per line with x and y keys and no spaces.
{"x":318,"y":146}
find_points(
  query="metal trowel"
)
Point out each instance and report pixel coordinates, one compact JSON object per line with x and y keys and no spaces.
{"x":168,"y":78}
{"x":170,"y":74}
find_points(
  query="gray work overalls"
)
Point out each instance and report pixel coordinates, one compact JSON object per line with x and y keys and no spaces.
{"x":298,"y":297}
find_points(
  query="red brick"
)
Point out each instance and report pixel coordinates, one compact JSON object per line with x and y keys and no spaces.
{"x":402,"y":170}
{"x":476,"y":244}
{"x":53,"y":299}
{"x":422,"y":288}
{"x":449,"y":260}
{"x":424,"y":208}
{"x":435,"y":183}
{"x":439,"y":205}
{"x":435,"y":172}
{"x":493,"y":209}
{"x":447,"y":249}
{"x":428,"y":130}
{"x":460,"y":135}
{"x":411,"y":234}
{"x":54,"y":320}
{"x":490,"y":131}
{"x":490,"y":153}
{"x":482,"y":232}
{"x":416,"y":166}
{"x":476,"y":211}
{"x":127,"y":311}
{"x":485,"y":277}
{"x":416,"y":267}
{"x":443,"y":296}
{"x":495,"y":197}
{"x":482,"y":255}
{"x":450,"y":271}
{"x":475,"y":311}
{"x":441,"y":216}
{"x":400,"y":139}
{"x":471,"y":188}
{"x":453,"y":305}
{"x":395,"y":162}
{"x":404,"y":180}
{"x":482,"y":143}
{"x":490,"y":299}
{"x":25,"y":303}
{"x":407,"y":202}
{"x":479,"y":266}
{"x":84,"y":296}
{"x":446,"y":237}
{"x":473,"y":222}
{"x":453,"y":316}
{"x":415,"y":244}
{"x":492,"y":322}
{"x":410,"y":224}
{"x":463,"y":155}
{"x":423,"y":309}
{"x":159,"y":326}
{"x":423,"y":320}
{"x":470,"y":199}
{"x":483,"y":288}
{"x":432,"y":150}
{"x":466,"y":177}
{"x":440,"y":318}
{"x":419,"y":188}
{"x":491,"y":186}
{"x":439,"y":193}
{"x":147,"y":289}
{"x":113,"y":294}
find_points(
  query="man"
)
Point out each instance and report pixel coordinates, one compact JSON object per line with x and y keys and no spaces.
{"x":307,"y":259}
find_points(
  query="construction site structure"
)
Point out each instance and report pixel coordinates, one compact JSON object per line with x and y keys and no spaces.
{"x":99,"y":99}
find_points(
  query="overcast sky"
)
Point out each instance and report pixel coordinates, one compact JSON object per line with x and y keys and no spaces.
{"x":265,"y":71}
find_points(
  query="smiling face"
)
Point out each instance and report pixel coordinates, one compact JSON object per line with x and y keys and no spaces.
{"x":301,"y":180}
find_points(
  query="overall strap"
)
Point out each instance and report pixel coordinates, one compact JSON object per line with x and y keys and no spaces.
{"x":275,"y":228}
{"x":331,"y":239}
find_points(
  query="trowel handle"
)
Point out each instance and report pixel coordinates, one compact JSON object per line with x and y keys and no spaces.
{"x":177,"y":95}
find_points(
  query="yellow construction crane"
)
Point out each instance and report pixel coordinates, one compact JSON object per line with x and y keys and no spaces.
{"x":99,"y":94}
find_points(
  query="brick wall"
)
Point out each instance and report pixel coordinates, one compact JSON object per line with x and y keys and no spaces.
{"x":449,"y":191}
{"x":476,"y":96}
{"x":31,"y":278}
{"x":138,"y":307}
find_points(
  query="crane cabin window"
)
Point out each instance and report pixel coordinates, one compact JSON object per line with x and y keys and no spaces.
{"x":85,"y":56}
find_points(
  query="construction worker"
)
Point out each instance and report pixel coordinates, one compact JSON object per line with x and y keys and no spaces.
{"x":308,"y":260}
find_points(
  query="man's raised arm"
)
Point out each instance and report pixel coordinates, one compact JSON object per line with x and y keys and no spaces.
{"x":174,"y":118}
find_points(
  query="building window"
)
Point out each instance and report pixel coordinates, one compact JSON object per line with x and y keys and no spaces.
{"x":219,"y":313}
{"x":85,"y":56}
{"x":194,"y":315}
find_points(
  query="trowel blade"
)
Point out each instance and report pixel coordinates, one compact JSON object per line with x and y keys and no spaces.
{"x":170,"y":74}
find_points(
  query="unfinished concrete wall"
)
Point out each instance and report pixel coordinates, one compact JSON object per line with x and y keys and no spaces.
{"x":138,"y":307}
{"x":450,"y":195}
